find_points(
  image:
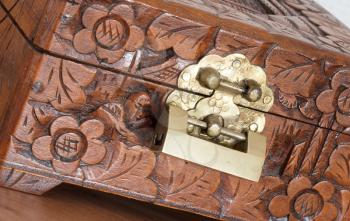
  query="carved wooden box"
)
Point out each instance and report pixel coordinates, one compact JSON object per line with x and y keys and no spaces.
{"x":100,"y":71}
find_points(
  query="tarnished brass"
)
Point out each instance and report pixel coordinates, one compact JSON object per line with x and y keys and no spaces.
{"x":218,"y":125}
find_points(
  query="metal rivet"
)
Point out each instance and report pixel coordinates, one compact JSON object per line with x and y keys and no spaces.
{"x":267,"y":100}
{"x":214,"y":130}
{"x":253,"y":127}
{"x":65,"y":18}
{"x":190,"y":128}
{"x":236,"y":63}
{"x":37,"y":87}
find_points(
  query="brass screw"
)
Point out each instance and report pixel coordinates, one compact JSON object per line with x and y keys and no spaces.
{"x":236,"y":63}
{"x":267,"y":100}
{"x":253,"y":127}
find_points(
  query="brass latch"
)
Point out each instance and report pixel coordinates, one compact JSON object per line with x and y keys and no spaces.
{"x":218,"y":125}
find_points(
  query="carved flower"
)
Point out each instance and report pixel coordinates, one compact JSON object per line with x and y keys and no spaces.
{"x":70,"y":143}
{"x":337,"y":99}
{"x":304,"y":201}
{"x":108,"y":33}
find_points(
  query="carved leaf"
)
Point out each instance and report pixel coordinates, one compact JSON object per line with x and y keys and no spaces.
{"x":187,"y":184}
{"x":255,"y":51}
{"x":345,"y":205}
{"x":62,"y":83}
{"x":25,"y":182}
{"x":33,"y":121}
{"x":295,"y":157}
{"x":245,"y":198}
{"x":339,"y":166}
{"x":127,"y":168}
{"x":304,"y":5}
{"x":289,"y":70}
{"x":188,"y":39}
{"x":289,"y":101}
{"x":313,"y":150}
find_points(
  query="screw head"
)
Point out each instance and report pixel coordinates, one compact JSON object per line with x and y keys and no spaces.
{"x":190,"y":128}
{"x":214,"y":130}
{"x":236,"y":63}
{"x":267,"y":100}
{"x":254,"y":94}
{"x":253,"y":127}
{"x":37,"y":87}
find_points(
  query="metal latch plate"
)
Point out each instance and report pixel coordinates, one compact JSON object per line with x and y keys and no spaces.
{"x":232,"y":142}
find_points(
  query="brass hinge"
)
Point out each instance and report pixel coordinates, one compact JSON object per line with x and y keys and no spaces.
{"x":219,"y":124}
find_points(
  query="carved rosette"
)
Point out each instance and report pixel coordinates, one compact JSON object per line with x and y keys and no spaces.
{"x":70,"y":144}
{"x":305,"y":201}
{"x":108,"y":33}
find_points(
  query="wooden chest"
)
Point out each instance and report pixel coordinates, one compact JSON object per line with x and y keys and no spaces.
{"x":84,"y":82}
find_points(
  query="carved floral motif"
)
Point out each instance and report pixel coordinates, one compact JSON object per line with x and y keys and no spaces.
{"x":112,"y":149}
{"x":337,"y":99}
{"x":189,"y":40}
{"x":288,"y":70}
{"x":244,"y":199}
{"x":127,"y":168}
{"x":69,"y":144}
{"x":339,"y":163}
{"x":108,"y":33}
{"x":188,"y":189}
{"x":304,"y":201}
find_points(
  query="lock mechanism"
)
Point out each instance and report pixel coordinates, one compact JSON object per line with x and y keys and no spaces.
{"x":216,"y":117}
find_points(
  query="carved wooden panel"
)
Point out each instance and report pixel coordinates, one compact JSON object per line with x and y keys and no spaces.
{"x":90,"y":114}
{"x":97,"y":137}
{"x":30,"y":183}
{"x":147,"y":42}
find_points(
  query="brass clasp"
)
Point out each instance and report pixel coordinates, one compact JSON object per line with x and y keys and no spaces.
{"x":213,"y":126}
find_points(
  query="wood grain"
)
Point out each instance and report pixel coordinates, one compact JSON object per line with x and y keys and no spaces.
{"x":15,"y":59}
{"x":155,"y":43}
{"x":98,"y":82}
{"x":70,"y":203}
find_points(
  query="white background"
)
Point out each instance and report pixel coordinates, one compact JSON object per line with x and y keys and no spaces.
{"x":339,"y":8}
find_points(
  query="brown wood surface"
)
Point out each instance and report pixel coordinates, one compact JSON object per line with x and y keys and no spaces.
{"x":71,"y":203}
{"x":106,"y":94}
{"x":304,"y":46}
